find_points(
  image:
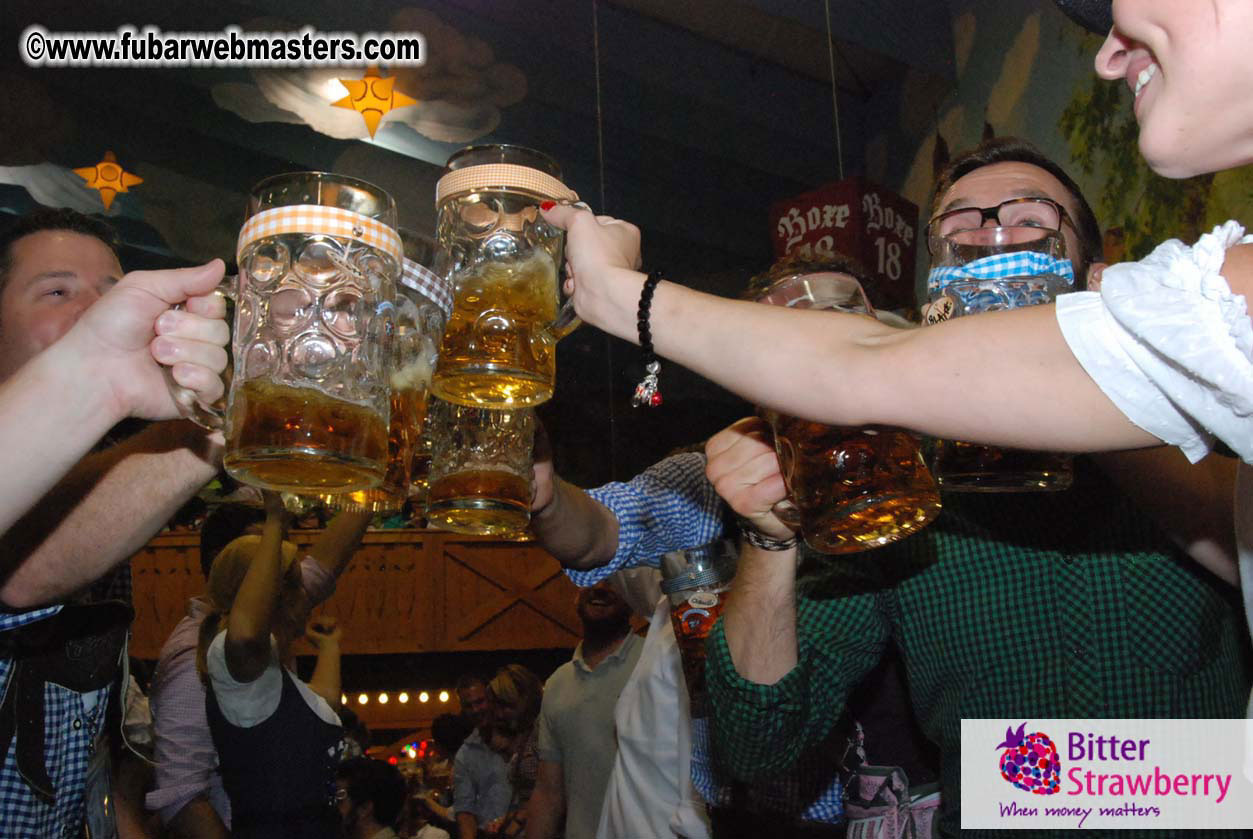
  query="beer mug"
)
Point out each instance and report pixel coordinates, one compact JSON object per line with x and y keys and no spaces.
{"x":481,"y":478}
{"x":422,"y":306}
{"x":503,"y":260}
{"x":989,"y":269}
{"x":308,"y":407}
{"x":849,"y":489}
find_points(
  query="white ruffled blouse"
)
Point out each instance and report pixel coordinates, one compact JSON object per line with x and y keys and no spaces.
{"x":1172,"y":347}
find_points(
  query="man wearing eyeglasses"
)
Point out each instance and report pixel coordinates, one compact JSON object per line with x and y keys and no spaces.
{"x":1066,"y":604}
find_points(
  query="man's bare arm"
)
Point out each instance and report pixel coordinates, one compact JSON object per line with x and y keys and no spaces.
{"x":103,"y":511}
{"x":574,"y":527}
{"x":760,"y":620}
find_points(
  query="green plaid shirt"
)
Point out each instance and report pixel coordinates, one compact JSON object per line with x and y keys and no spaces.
{"x":1023,"y":606}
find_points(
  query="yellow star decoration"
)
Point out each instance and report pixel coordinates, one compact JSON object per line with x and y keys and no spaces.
{"x":109,"y":178}
{"x":373,"y":97}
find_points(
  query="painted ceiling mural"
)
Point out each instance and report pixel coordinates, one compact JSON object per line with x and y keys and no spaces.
{"x":459,"y":91}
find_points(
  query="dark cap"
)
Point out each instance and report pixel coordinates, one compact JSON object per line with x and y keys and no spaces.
{"x":1094,"y":15}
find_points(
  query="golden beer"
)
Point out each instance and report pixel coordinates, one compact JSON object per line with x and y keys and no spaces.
{"x":298,"y":438}
{"x":972,"y":467}
{"x":853,"y":488}
{"x":498,"y":350}
{"x":483,"y":501}
{"x":408,"y":413}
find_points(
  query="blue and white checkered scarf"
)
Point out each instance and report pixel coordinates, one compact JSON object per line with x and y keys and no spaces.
{"x":999,"y":267}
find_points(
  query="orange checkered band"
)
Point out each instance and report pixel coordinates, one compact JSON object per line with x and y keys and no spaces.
{"x":327,"y":221}
{"x":429,"y":284}
{"x":502,"y":176}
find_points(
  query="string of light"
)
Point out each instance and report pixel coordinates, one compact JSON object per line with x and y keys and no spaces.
{"x":403,"y":697}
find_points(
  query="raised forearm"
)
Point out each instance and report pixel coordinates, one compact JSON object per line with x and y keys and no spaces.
{"x":251,"y":619}
{"x":760,"y":617}
{"x":340,"y":540}
{"x":326,"y":676}
{"x":103,"y":511}
{"x":575,"y":528}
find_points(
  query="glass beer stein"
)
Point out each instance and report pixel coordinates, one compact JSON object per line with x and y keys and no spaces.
{"x":988,"y":269}
{"x":849,"y":489}
{"x":503,"y":260}
{"x":422,"y":305}
{"x":308,"y":406}
{"x":481,"y":477}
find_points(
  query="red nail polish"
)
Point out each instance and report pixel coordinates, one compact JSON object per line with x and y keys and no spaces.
{"x":547,"y":205}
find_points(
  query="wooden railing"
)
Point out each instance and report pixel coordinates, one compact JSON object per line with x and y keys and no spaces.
{"x":406,"y":591}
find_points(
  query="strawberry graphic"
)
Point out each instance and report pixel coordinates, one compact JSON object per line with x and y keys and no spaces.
{"x":1030,"y":761}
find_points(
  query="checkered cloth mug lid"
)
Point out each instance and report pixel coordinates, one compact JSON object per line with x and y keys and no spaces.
{"x":313,"y":219}
{"x":429,"y":284}
{"x":999,"y":267}
{"x":502,"y":176}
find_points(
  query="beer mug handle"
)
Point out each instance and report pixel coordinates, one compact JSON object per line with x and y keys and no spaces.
{"x":566,"y":322}
{"x":210,"y":416}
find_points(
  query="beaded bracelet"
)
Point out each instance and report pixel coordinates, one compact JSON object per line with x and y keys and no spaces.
{"x":648,"y":391}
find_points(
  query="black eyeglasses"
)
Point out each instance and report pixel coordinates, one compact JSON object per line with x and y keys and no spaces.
{"x":1044,"y":213}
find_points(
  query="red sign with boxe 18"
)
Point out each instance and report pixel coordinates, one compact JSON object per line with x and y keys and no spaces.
{"x":857,"y":218}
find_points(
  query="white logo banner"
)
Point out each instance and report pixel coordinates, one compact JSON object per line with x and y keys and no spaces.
{"x":1107,"y":774}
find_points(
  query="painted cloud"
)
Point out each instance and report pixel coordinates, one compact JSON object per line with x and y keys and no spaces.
{"x":460,"y":90}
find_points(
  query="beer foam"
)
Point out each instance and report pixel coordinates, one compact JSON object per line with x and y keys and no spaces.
{"x":416,"y":374}
{"x":538,"y":268}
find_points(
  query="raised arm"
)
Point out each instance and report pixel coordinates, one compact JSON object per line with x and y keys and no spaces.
{"x":336,"y":545}
{"x":779,"y":668}
{"x":325,"y":635}
{"x":760,"y":619}
{"x":1006,"y":378}
{"x":253,"y":614}
{"x":572,"y":526}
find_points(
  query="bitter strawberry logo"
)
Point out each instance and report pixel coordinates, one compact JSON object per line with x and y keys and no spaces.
{"x":1030,"y":761}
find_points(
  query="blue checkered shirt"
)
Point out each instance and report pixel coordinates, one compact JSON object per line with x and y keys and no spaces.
{"x":671,"y":506}
{"x":72,"y":721}
{"x":667,"y":507}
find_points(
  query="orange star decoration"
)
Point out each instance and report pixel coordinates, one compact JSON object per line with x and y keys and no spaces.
{"x":109,"y":178}
{"x":373,"y":97}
